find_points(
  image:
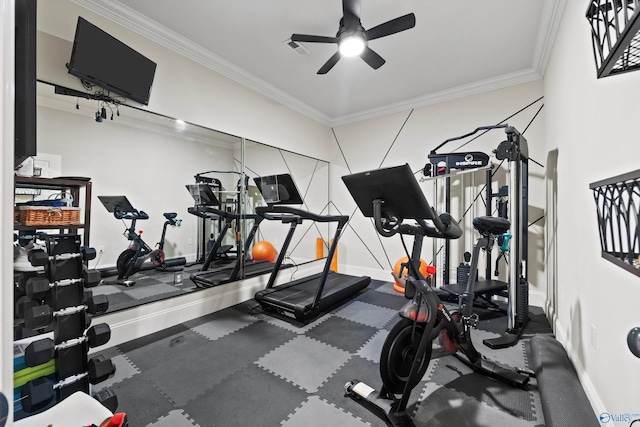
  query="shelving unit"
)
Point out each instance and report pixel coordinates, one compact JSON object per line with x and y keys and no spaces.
{"x":74,"y":186}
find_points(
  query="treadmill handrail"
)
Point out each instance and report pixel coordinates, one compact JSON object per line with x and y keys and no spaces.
{"x":226,"y":214}
{"x":280,"y":209}
{"x":267,"y":212}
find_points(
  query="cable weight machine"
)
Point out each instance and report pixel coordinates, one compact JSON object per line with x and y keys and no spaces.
{"x":514,"y":150}
{"x":207,"y":238}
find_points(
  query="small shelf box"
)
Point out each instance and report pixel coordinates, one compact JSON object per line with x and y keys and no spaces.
{"x":48,"y":215}
{"x":615,"y":34}
{"x":618,"y":207}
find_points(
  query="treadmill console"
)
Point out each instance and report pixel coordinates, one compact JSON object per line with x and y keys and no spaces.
{"x":278,"y":190}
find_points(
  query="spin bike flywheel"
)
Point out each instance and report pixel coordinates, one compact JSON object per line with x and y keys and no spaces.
{"x":157,"y":257}
{"x":399,"y":352}
{"x":124,"y":262}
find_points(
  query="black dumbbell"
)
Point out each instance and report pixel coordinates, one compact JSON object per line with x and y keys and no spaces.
{"x":38,"y":257}
{"x":97,"y":304}
{"x":41,"y":351}
{"x":91,"y":277}
{"x":100,"y":368}
{"x":37,"y":287}
{"x":108,"y":399}
{"x":42,"y":315}
{"x":20,"y":332}
{"x":23,"y":304}
{"x":38,"y":393}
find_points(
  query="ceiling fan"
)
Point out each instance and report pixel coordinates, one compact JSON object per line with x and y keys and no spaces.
{"x":352,"y":39}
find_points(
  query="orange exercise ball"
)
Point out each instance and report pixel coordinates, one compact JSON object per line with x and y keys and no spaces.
{"x":264,"y":251}
{"x":424,"y":269}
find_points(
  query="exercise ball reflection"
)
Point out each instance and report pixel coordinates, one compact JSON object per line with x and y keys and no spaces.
{"x":263,"y":251}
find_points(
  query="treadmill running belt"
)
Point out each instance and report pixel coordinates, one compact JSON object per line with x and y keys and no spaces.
{"x":210,"y":278}
{"x":295,"y":299}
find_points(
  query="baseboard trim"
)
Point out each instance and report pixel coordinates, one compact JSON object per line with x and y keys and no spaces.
{"x":594,"y":398}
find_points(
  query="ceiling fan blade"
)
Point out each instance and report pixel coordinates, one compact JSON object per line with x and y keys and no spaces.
{"x":351,"y":7}
{"x":351,"y":14}
{"x":391,"y":27}
{"x":330,"y":63}
{"x":312,"y":39}
{"x":374,"y":60}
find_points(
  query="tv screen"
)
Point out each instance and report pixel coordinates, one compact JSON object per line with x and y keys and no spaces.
{"x":101,"y":59}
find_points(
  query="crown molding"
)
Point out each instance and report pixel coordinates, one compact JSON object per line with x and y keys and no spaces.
{"x":549,"y":23}
{"x":475,"y":88}
{"x":133,"y":21}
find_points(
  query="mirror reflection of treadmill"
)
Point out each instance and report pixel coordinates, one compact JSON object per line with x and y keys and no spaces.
{"x":207,"y":204}
{"x":310,"y":297}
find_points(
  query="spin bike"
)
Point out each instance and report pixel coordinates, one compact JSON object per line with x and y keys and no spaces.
{"x":391,"y":196}
{"x":131,"y":259}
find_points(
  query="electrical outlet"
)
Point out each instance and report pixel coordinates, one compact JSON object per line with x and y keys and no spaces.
{"x":190,"y":241}
{"x":100,"y":249}
{"x":593,"y":336}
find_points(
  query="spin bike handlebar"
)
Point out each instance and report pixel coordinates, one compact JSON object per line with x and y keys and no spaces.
{"x":136,"y":214}
{"x":444,"y":226}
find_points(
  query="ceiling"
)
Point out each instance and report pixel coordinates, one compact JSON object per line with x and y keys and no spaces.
{"x":457,"y":48}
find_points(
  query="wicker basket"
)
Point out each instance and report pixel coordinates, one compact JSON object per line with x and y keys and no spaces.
{"x":48,"y":215}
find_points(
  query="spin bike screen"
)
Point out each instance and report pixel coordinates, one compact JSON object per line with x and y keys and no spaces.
{"x":116,"y":204}
{"x":397,"y":186}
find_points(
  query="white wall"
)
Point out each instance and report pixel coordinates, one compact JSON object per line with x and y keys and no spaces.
{"x":592,"y":132}
{"x":365,"y":145}
{"x":7,"y":91}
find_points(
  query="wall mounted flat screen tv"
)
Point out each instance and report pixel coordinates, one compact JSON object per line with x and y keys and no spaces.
{"x":101,"y":59}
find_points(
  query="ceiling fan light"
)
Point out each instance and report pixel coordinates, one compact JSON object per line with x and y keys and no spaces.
{"x":352,"y":45}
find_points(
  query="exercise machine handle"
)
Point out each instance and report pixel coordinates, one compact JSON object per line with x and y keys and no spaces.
{"x":444,"y":226}
{"x":391,"y":225}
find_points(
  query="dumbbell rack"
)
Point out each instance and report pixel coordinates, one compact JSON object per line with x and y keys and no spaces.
{"x":61,"y":305}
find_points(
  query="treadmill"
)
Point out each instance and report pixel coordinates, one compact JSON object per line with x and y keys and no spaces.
{"x":208,"y":277}
{"x":308,"y":298}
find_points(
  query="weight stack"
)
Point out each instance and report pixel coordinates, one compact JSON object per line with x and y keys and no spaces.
{"x":522,"y":315}
{"x":61,"y":308}
{"x":463,"y":273}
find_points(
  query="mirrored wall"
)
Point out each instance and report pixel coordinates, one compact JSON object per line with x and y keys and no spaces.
{"x":311,"y":178}
{"x":151,"y":160}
